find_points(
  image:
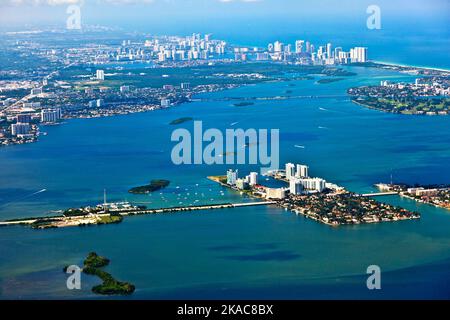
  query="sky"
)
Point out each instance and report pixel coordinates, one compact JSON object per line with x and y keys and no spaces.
{"x":161,"y":14}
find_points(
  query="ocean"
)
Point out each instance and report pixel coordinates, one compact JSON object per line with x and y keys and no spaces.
{"x":254,"y":252}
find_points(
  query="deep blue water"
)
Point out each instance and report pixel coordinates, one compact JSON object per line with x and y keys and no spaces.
{"x":242,"y":253}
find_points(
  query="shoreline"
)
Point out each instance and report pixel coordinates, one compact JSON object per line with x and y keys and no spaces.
{"x":392,"y":64}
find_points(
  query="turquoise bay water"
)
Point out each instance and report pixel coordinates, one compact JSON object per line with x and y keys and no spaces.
{"x":243,"y":253}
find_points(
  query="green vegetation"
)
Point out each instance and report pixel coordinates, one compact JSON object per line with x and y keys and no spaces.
{"x":110,"y":286}
{"x":43,"y":223}
{"x":74,"y":212}
{"x":410,"y":105}
{"x":112,"y":218}
{"x":95,"y":261}
{"x":154,"y":185}
{"x":181,"y":120}
{"x":200,"y":75}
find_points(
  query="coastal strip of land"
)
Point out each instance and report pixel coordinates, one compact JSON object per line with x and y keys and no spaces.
{"x":114,"y":213}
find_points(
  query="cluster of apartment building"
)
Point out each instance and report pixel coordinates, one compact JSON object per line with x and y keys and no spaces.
{"x":296,"y":175}
{"x":303,"y":53}
{"x":244,"y":183}
{"x":168,"y":48}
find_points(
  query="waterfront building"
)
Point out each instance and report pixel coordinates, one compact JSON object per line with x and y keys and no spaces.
{"x":185,"y":85}
{"x":241,"y":184}
{"x":92,"y":103}
{"x":20,"y":129}
{"x":290,"y":170}
{"x":232,"y":176}
{"x":302,"y":171}
{"x":100,"y":75}
{"x":319,"y":184}
{"x":165,"y":103}
{"x":253,"y":180}
{"x":295,"y":186}
{"x":316,"y":184}
{"x":275,"y":193}
{"x":50,"y":115}
{"x":358,"y":54}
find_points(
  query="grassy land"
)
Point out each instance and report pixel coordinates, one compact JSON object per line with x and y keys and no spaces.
{"x":406,"y":106}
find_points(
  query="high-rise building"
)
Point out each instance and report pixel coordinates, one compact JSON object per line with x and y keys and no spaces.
{"x":278,"y":46}
{"x":337,"y":51}
{"x":253,"y":178}
{"x":319,"y":184}
{"x":359,"y":54}
{"x":299,"y":46}
{"x":242,"y":184}
{"x":316,"y":184}
{"x":20,"y":128}
{"x":185,"y":85}
{"x":308,"y":47}
{"x":232,"y":176}
{"x":24,"y":118}
{"x":50,"y":115}
{"x":290,"y":170}
{"x":100,"y":75}
{"x":295,"y":186}
{"x":329,"y":52}
{"x":302,"y":171}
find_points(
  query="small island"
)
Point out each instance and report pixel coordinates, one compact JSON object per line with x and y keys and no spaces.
{"x":154,"y":185}
{"x":110,"y":286}
{"x":243,"y":104}
{"x":181,"y":120}
{"x":329,"y":80}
